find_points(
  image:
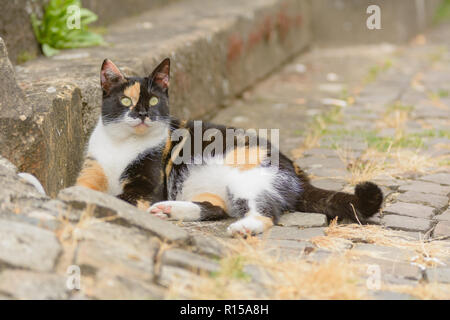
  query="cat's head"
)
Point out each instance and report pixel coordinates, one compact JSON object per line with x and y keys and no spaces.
{"x":133,"y":105}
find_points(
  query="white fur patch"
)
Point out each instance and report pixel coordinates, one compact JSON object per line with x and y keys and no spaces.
{"x":217,"y":178}
{"x":179,"y":210}
{"x":249,"y":225}
{"x":116,"y":145}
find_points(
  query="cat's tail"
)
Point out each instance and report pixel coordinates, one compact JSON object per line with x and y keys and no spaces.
{"x":366,"y":201}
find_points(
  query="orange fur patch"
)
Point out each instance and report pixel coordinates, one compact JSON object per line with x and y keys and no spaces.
{"x":167,"y":147}
{"x":169,"y":167}
{"x":243,"y":158}
{"x":267,"y":222}
{"x":143,"y":204}
{"x":92,"y":176}
{"x":133,"y":92}
{"x":297,"y":169}
{"x":212,"y":198}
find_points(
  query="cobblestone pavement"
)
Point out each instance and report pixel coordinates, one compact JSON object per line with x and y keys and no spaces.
{"x":379,"y":113}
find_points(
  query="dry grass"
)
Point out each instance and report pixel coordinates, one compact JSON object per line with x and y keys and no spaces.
{"x":429,"y":253}
{"x":374,"y":163}
{"x":295,"y":278}
{"x":317,"y":128}
{"x":410,"y":161}
{"x":336,"y":278}
{"x":311,"y":140}
{"x":66,"y":233}
{"x":67,"y":230}
{"x":394,"y":119}
{"x":363,"y":168}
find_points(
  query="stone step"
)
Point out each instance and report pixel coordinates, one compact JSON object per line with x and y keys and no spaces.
{"x":346,"y":21}
{"x":218,"y":50}
{"x":23,"y":44}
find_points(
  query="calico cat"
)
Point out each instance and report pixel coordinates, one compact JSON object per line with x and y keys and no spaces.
{"x":133,"y":154}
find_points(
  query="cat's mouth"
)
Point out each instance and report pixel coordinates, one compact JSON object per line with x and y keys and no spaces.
{"x":141,"y":128}
{"x":141,"y":125}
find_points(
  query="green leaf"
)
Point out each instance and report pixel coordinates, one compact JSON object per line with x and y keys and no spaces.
{"x":49,"y":51}
{"x":54,"y":33}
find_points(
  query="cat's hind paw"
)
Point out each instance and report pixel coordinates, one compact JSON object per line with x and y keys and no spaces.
{"x":176,"y":210}
{"x":250,"y":225}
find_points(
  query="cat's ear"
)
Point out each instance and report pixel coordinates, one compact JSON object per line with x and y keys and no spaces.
{"x":110,"y":76}
{"x":160,"y":76}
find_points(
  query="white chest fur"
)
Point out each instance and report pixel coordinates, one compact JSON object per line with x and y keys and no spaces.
{"x":114,"y":152}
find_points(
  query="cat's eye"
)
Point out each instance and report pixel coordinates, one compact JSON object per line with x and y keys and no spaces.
{"x":126,"y":101}
{"x":153,"y":101}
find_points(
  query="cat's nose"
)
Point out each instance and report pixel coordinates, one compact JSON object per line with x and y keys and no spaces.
{"x":143,"y":115}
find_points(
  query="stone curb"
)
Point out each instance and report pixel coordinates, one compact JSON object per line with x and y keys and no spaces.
{"x":217,"y":52}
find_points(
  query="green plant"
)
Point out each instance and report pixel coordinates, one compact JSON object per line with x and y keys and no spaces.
{"x":443,"y":12}
{"x":25,"y":56}
{"x":375,"y":71}
{"x":55,"y":32}
{"x":232,"y":268}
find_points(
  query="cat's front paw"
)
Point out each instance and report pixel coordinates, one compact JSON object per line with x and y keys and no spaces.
{"x":160,"y":210}
{"x":176,"y":210}
{"x":250,"y":225}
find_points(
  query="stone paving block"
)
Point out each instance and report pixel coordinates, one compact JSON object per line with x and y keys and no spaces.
{"x":405,"y":223}
{"x":37,"y":218}
{"x":191,"y":261}
{"x":409,"y":209}
{"x":433,"y":200}
{"x":328,"y":172}
{"x":108,"y":287}
{"x":321,"y":152}
{"x":426,"y":187}
{"x":429,"y":112}
{"x":375,"y":219}
{"x":392,"y":271}
{"x":108,"y":206}
{"x":439,"y":274}
{"x":445,"y":216}
{"x":388,"y":182}
{"x":385,"y":252}
{"x":292,"y":233}
{"x":396,"y":279}
{"x":319,"y":255}
{"x":94,"y":256}
{"x":442,"y":229}
{"x":170,"y":274}
{"x":257,"y":274}
{"x":315,"y":162}
{"x":117,"y":236}
{"x":208,"y":245}
{"x":303,"y":219}
{"x":26,"y":285}
{"x":287,"y":244}
{"x":410,"y":235}
{"x":28,"y":247}
{"x":440,"y":178}
{"x":6,"y":166}
{"x":386,"y":191}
